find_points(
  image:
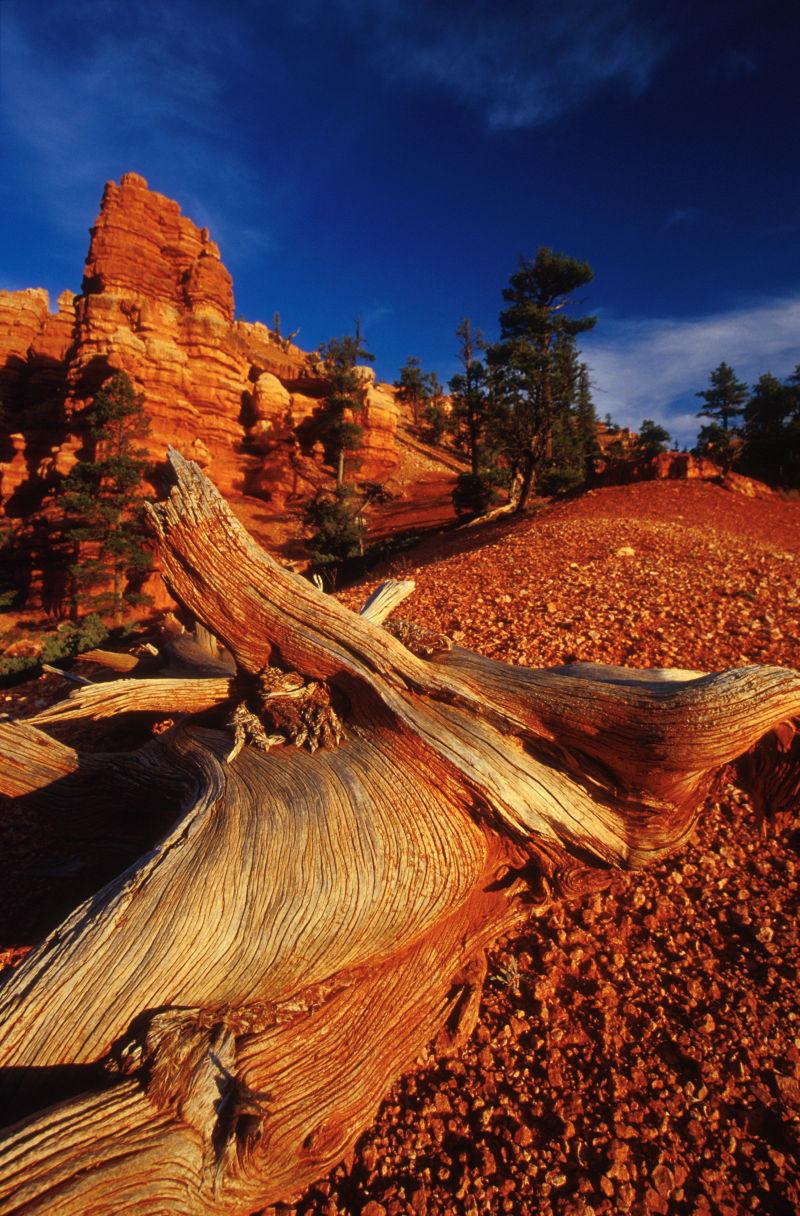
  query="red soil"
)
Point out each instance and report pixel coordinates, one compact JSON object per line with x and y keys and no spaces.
{"x":638,"y":1052}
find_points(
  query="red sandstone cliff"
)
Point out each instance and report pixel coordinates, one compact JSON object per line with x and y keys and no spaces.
{"x":678,"y":466}
{"x":157,"y":303}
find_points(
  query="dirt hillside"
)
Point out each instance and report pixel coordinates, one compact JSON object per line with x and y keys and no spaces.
{"x":640,"y":1052}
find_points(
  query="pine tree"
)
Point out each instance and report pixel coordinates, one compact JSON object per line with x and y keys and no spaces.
{"x":435,"y":414}
{"x":725,"y":398}
{"x":469,"y":390}
{"x":102,"y":524}
{"x":337,"y":523}
{"x":587,"y":423}
{"x":653,"y":439}
{"x":345,"y":397}
{"x":563,"y":466}
{"x":535,"y":327}
{"x":717,"y":444}
{"x":413,"y":387}
{"x":771,"y":449}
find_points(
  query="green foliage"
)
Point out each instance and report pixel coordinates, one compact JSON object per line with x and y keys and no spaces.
{"x":373,"y":493}
{"x":771,"y":449}
{"x":573,"y":444}
{"x":413,"y":387}
{"x":476,"y":493}
{"x":653,"y":439}
{"x":103,"y":537}
{"x":725,"y":399}
{"x":344,"y":399}
{"x":534,"y":364}
{"x":469,"y":389}
{"x":434,"y":414}
{"x":337,"y":522}
{"x":71,"y":639}
{"x":9,"y":592}
{"x":717,"y":444}
{"x":586,"y":423}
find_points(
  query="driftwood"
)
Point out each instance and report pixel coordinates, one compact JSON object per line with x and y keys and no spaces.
{"x":222,"y":1019}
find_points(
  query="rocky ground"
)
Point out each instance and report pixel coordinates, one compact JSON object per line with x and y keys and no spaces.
{"x":640,"y":1051}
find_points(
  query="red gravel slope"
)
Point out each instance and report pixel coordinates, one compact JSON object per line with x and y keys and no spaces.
{"x":639,"y":1052}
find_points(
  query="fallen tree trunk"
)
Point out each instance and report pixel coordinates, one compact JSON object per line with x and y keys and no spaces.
{"x":224,"y":1016}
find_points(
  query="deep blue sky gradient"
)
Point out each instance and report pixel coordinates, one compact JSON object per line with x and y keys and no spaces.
{"x":393,"y":160}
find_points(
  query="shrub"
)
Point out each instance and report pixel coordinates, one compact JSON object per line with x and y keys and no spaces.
{"x":69,"y":640}
{"x":338,"y":526}
{"x":475,"y":493}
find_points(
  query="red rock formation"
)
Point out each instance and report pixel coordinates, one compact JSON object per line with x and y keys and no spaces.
{"x":157,"y":303}
{"x":678,"y":466}
{"x":33,"y":347}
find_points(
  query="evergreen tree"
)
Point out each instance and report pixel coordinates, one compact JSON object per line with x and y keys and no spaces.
{"x":102,"y":519}
{"x":528,"y":361}
{"x":337,"y":523}
{"x":717,"y":444}
{"x":469,"y":391}
{"x":771,"y":448}
{"x":413,"y":387}
{"x":587,"y":423}
{"x":725,"y":399}
{"x":434,"y":414}
{"x":345,"y":397}
{"x":563,"y":466}
{"x":475,"y":493}
{"x":653,"y":439}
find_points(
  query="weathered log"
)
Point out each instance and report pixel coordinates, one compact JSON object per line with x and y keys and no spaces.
{"x":229,"y":1010}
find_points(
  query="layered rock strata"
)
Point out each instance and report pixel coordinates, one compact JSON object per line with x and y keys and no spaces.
{"x":157,"y":303}
{"x":678,"y":466}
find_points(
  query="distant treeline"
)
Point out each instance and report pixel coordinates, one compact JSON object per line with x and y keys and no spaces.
{"x":521,"y":408}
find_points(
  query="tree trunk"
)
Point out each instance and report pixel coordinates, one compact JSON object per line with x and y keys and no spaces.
{"x":523,"y":483}
{"x":221,"y":1020}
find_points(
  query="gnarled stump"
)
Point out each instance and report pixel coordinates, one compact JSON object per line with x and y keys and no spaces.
{"x":228,"y":1012}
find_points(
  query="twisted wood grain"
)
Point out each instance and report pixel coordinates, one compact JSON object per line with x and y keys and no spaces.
{"x":308,"y":923}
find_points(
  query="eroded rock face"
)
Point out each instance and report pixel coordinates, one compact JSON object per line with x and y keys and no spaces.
{"x":157,"y":303}
{"x":679,"y":466}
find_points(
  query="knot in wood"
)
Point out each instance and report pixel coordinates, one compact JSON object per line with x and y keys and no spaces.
{"x":302,"y":712}
{"x":420,"y":640}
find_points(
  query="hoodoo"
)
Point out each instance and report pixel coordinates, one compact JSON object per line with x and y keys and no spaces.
{"x":157,"y":303}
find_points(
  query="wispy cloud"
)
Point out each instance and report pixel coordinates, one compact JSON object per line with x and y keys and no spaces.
{"x":519,"y":64}
{"x":680,"y":216}
{"x":373,"y":314}
{"x":652,"y":369}
{"x":142,"y":88}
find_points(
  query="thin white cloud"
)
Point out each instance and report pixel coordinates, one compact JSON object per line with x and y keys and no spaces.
{"x":143,"y":89}
{"x":373,"y":314}
{"x":680,"y":216}
{"x":652,"y":369}
{"x":518,"y":64}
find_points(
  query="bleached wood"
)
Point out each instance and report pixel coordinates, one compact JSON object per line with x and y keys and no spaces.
{"x":65,"y":675}
{"x":386,"y":598}
{"x":309,"y":922}
{"x":162,"y":696}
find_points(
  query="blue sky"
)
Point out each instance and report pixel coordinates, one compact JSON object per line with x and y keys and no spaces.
{"x":393,"y":160}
